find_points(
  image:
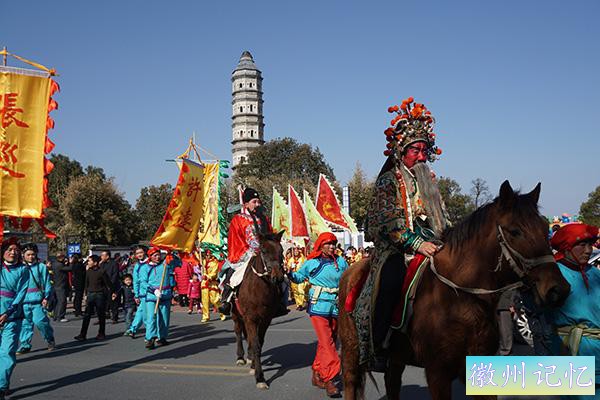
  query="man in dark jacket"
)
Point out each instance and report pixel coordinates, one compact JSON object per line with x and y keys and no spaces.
{"x":112,"y":271}
{"x":78,"y":269}
{"x":61,"y":270}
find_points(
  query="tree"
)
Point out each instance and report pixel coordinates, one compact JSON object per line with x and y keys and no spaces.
{"x":95,"y":210}
{"x":480,"y":192}
{"x":150,"y":208}
{"x":280,"y":162}
{"x":458,"y":204}
{"x":589,"y":211}
{"x":63,"y":172}
{"x":361,"y":191}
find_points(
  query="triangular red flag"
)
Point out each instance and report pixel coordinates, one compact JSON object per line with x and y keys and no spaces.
{"x":328,"y":205}
{"x":298,"y":227}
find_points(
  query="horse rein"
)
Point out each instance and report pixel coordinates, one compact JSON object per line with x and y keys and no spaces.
{"x":266,"y":270}
{"x":508,"y":253}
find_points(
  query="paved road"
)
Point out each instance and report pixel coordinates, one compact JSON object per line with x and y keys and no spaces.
{"x":198,"y":364}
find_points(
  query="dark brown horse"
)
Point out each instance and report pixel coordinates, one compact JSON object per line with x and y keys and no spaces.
{"x":257,"y":302}
{"x":501,"y":243}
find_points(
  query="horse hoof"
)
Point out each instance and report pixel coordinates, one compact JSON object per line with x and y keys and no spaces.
{"x":240,"y":362}
{"x":248,"y":361}
{"x":262,"y":385}
{"x":251,"y":371}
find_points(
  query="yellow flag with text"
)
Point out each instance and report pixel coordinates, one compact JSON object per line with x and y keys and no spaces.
{"x":24,"y":107}
{"x":316,"y":223}
{"x":280,"y":215}
{"x":179,"y":228}
{"x":209,"y":231}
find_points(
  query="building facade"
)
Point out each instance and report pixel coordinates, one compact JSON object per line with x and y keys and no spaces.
{"x":247,"y":124}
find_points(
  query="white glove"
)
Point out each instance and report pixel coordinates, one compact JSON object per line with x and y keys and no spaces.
{"x":157,"y":293}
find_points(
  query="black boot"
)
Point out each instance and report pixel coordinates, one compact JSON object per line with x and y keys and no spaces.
{"x":283,"y":303}
{"x":225,"y":307}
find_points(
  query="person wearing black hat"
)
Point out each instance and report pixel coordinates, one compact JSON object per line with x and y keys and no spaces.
{"x":13,"y":287}
{"x":242,"y":244}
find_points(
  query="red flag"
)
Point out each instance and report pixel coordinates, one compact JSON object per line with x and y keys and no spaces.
{"x":298,"y":227}
{"x":328,"y":205}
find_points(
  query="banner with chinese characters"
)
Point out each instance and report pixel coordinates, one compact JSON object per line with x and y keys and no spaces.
{"x":280,"y":215}
{"x":179,"y":228}
{"x":24,"y":106}
{"x":209,"y":231}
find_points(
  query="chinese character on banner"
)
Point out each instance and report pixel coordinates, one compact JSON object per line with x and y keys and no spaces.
{"x":547,"y":380}
{"x":515,"y":373}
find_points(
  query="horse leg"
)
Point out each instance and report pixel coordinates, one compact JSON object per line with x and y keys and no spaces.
{"x":254,"y":345}
{"x":393,"y":379}
{"x":439,"y":382}
{"x":238,"y":328}
{"x":353,"y":375}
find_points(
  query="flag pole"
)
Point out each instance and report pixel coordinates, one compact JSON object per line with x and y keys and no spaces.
{"x":160,"y":287}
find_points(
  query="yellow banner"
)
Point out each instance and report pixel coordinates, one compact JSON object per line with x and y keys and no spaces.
{"x":280,"y":215}
{"x":179,"y":228}
{"x":316,"y":223}
{"x":209,"y":227}
{"x":23,"y":113}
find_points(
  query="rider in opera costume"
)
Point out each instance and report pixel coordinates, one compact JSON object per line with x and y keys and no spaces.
{"x":243,"y":243}
{"x":404,"y":219}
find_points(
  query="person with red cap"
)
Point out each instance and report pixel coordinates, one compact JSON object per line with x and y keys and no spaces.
{"x":158,"y":282}
{"x":323,"y":269}
{"x":578,"y":319}
{"x":243,"y":243}
{"x":14,"y":278}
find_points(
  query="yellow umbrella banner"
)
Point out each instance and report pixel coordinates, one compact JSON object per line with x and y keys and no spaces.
{"x":209,"y":231}
{"x":316,"y":223}
{"x":25,"y":102}
{"x":280,"y":215}
{"x":179,"y":228}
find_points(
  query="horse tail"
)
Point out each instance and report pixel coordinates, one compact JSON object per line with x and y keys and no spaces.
{"x":353,"y":374}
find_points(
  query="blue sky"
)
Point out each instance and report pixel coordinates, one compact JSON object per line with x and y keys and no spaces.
{"x":514,"y":85}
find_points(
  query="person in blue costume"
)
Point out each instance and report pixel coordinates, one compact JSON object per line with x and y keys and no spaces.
{"x":39,"y":289}
{"x":323,"y":269}
{"x":13,"y":287}
{"x":577,"y":321}
{"x":140,"y":297}
{"x":158,"y":281}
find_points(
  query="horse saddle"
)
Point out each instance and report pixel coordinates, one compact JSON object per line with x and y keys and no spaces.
{"x":403,"y":310}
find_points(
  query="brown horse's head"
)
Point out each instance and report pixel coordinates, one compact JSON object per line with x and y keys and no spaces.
{"x":524,"y":233}
{"x":271,"y":255}
{"x":510,"y":234}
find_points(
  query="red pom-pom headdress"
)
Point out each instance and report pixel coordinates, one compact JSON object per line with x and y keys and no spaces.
{"x":412,"y":123}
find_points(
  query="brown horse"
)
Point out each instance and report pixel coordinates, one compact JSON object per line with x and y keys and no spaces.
{"x":502,"y":243}
{"x":257,"y":302}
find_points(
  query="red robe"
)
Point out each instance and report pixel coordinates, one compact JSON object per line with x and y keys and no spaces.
{"x":242,"y":236}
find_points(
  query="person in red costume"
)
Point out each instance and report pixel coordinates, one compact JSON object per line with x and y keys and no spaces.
{"x":243,"y":243}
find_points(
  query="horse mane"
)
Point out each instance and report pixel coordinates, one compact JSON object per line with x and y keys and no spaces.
{"x":460,"y":236}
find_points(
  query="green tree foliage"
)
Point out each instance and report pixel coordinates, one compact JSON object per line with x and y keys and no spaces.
{"x":458,"y":204}
{"x":94,"y":209}
{"x":280,"y":162}
{"x":150,"y":208}
{"x":361,"y":191}
{"x":589,"y":211}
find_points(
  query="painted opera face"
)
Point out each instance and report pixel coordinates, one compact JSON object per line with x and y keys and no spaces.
{"x":415,"y":153}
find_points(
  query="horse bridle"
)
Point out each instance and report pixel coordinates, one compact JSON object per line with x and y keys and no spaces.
{"x":508,"y":253}
{"x":266,"y":269}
